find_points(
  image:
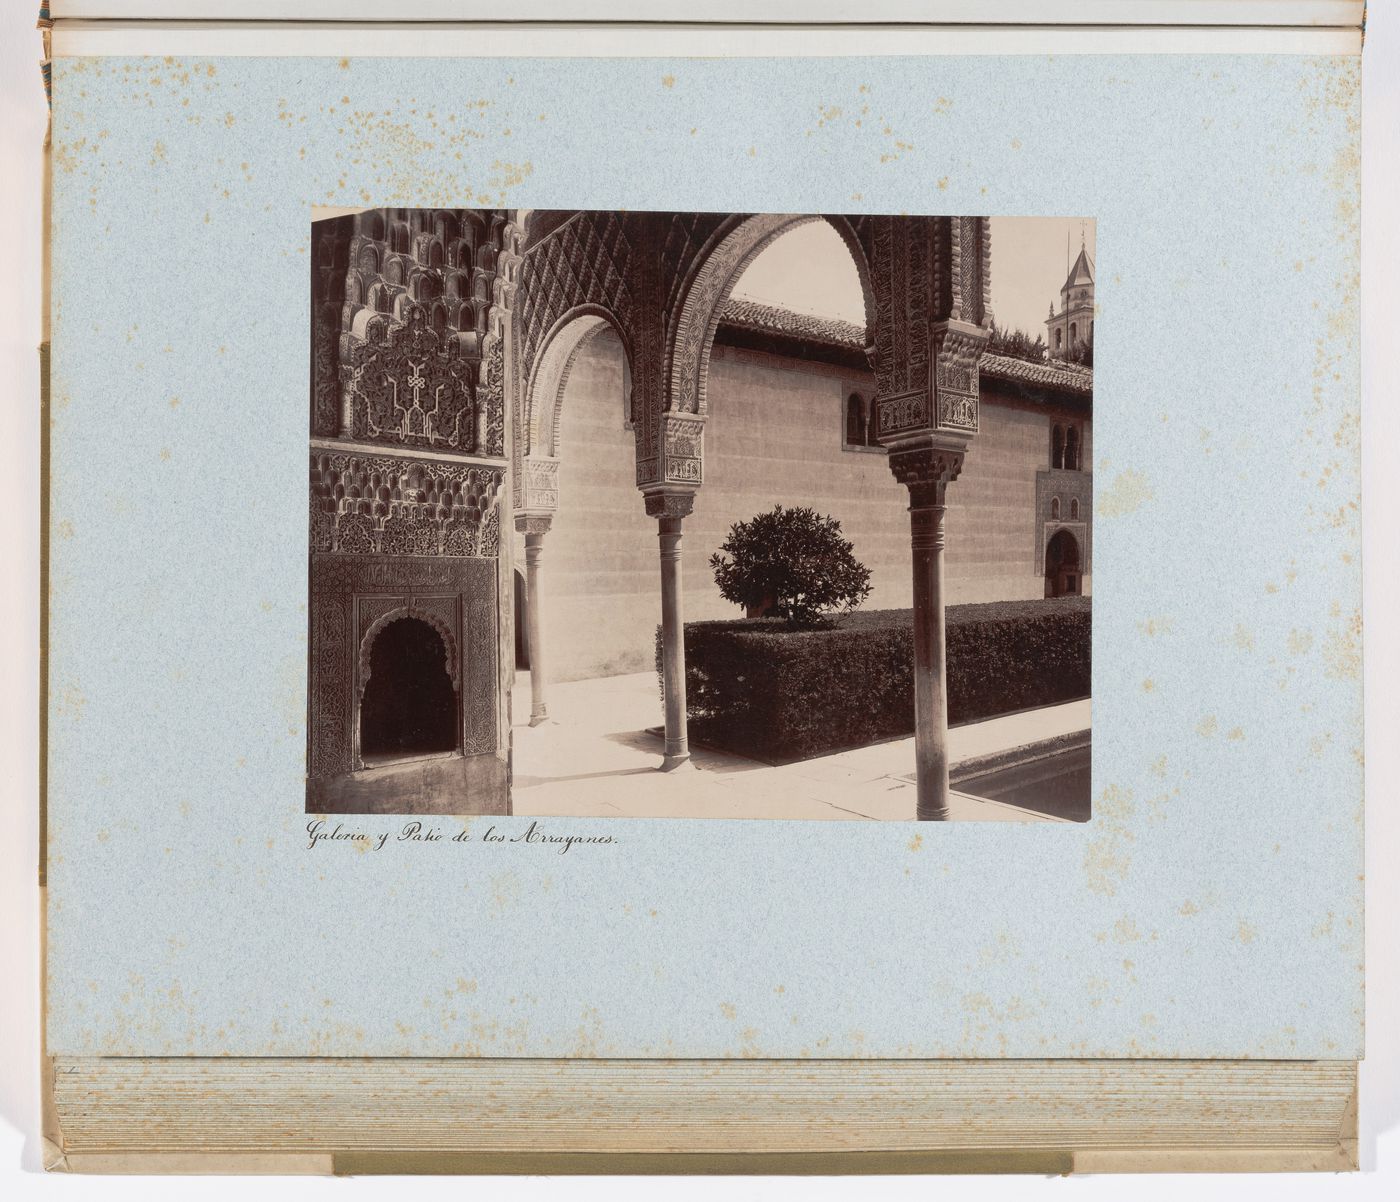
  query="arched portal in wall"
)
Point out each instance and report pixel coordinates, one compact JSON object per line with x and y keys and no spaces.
{"x":813,"y":256}
{"x":596,"y":564}
{"x":545,"y":390}
{"x":1062,"y":575}
{"x":408,"y":706}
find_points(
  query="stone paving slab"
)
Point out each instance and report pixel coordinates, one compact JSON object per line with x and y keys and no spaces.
{"x":595,"y":758}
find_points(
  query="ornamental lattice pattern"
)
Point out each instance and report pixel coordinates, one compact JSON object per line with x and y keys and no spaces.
{"x":493,"y":401}
{"x":585,"y":261}
{"x":971,"y":299}
{"x":410,"y":390}
{"x":385,"y":505}
{"x":907,"y":286}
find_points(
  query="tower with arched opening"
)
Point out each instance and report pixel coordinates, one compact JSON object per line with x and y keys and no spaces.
{"x":1070,"y":332}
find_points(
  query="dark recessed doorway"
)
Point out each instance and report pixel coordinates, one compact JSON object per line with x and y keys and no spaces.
{"x":409,"y":706}
{"x":1062,"y":577}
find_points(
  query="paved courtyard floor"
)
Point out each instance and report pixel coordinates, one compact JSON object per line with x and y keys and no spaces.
{"x":596,"y":758}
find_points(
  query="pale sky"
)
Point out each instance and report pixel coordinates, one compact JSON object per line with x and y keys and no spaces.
{"x":809,"y":270}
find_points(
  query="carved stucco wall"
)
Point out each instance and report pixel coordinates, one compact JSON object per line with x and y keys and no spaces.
{"x":409,"y":358}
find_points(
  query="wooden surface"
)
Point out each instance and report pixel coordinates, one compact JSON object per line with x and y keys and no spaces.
{"x":184,"y":1114}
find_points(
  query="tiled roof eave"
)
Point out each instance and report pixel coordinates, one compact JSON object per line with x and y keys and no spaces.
{"x":1079,"y":381}
{"x":805,"y":328}
{"x":770,"y":319}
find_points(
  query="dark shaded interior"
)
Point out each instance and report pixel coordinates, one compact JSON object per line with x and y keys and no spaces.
{"x":522,"y":649}
{"x":409,"y":706}
{"x":1062,"y":566}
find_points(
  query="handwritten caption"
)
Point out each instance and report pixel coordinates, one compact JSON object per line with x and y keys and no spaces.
{"x":320,"y":831}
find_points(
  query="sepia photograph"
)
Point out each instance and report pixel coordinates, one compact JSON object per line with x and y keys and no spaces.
{"x":700,"y":515}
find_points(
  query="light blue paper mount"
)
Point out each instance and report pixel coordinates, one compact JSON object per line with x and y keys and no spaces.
{"x":1211,"y":908}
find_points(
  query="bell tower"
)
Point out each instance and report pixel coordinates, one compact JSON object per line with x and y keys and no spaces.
{"x":1072,"y":328}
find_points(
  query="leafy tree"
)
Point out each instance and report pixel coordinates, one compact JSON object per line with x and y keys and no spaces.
{"x":1016,"y":344}
{"x":792,"y":564}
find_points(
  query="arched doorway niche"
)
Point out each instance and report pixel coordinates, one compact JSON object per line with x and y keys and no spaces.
{"x":1062,"y":566}
{"x":408,"y":705}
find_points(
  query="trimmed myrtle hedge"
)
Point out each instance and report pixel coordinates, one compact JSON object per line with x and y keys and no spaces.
{"x":759,"y":687}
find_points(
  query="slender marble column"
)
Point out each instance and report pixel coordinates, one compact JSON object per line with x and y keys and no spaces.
{"x":927,"y":472}
{"x":930,"y":663}
{"x":673,"y":644}
{"x":535,"y":528}
{"x":534,"y":552}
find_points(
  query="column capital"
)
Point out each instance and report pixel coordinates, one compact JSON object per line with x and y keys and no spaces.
{"x":669,"y":502}
{"x":926,"y":470}
{"x":533,"y":523}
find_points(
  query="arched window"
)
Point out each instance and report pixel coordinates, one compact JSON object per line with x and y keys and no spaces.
{"x":1057,"y":447}
{"x":856,"y":433}
{"x":1057,"y":337}
{"x":1073,"y":332}
{"x":1072,"y":450}
{"x":1074,"y":509}
{"x":1054,"y":509}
